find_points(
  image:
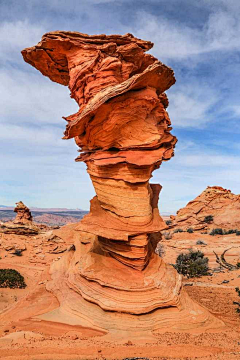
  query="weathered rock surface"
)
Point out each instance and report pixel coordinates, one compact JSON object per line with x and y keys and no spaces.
{"x":24,"y":215}
{"x":20,"y":307}
{"x":219,"y":203}
{"x":23,"y":223}
{"x":122,"y":129}
{"x":19,"y":229}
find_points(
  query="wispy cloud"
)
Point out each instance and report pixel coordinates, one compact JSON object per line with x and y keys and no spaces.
{"x":191,"y":104}
{"x":33,"y":96}
{"x":176,"y":40}
{"x":200,"y":40}
{"x":15,"y":36}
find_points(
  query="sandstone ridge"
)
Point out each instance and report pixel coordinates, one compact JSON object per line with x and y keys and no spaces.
{"x":215,"y":207}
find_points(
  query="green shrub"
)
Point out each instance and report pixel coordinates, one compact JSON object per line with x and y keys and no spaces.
{"x":217,"y":231}
{"x":18,"y":252}
{"x":167,"y":235}
{"x":192,"y":264}
{"x":200,"y":242}
{"x":160,"y":251}
{"x":190,"y":230}
{"x":208,"y":219}
{"x":12,"y":279}
{"x":238,"y":265}
{"x":178,"y":230}
{"x":227,"y":232}
{"x":237,"y":302}
{"x":168,"y":222}
{"x":238,"y":232}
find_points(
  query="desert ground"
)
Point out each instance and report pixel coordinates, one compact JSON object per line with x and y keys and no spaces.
{"x":25,"y":336}
{"x":106,"y":287}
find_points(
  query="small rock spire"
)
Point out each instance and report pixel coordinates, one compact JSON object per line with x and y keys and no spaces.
{"x":24,"y":215}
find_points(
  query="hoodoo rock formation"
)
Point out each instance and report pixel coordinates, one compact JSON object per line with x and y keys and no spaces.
{"x":112,"y":280}
{"x":215,"y":207}
{"x":22,"y":224}
{"x":24,"y":215}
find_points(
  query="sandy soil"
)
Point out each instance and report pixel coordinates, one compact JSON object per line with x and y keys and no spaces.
{"x":24,"y":336}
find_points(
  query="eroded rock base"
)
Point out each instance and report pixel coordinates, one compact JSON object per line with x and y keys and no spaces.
{"x":97,"y":292}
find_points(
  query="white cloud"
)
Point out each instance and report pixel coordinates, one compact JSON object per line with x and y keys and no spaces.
{"x":31,"y":105}
{"x":235,"y":110}
{"x":207,"y":160}
{"x":46,"y":136}
{"x":15,"y":36}
{"x":190,"y":104}
{"x":33,"y":96}
{"x":178,"y":41}
{"x":187,"y":175}
{"x":222,"y":31}
{"x":172,"y":40}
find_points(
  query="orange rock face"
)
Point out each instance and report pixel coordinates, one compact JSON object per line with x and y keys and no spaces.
{"x":216,"y":202}
{"x":122,"y":129}
{"x":24,"y":215}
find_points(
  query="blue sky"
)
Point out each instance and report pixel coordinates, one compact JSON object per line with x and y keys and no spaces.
{"x":199,"y":39}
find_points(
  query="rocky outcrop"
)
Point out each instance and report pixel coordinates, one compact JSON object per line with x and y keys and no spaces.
{"x":122,"y":129}
{"x":23,"y":223}
{"x":215,"y":207}
{"x":24,"y":215}
{"x":19,"y":229}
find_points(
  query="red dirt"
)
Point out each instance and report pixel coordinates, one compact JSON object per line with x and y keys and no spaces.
{"x":24,"y":336}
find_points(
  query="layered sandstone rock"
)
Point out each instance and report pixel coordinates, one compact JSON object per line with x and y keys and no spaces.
{"x":215,"y":207}
{"x":22,"y":224}
{"x":24,"y":215}
{"x":122,"y":129}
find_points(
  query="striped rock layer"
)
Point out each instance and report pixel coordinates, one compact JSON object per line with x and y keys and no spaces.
{"x":214,"y":208}
{"x":122,"y":130}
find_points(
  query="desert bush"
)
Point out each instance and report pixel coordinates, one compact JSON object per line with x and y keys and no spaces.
{"x":217,"y":231}
{"x":208,"y":219}
{"x":178,"y":230}
{"x":12,"y":279}
{"x":160,"y":251}
{"x":226,"y":232}
{"x":18,"y":252}
{"x":190,"y":230}
{"x":237,"y":302}
{"x":200,"y":242}
{"x":192,"y":264}
{"x":167,"y":235}
{"x":168,"y":222}
{"x":238,"y":232}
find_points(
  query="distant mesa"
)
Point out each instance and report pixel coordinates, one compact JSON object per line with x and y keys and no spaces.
{"x":215,"y":207}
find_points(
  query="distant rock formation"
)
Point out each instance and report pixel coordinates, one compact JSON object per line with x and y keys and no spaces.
{"x":23,"y":222}
{"x":24,"y":215}
{"x":123,"y":131}
{"x":215,"y":207}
